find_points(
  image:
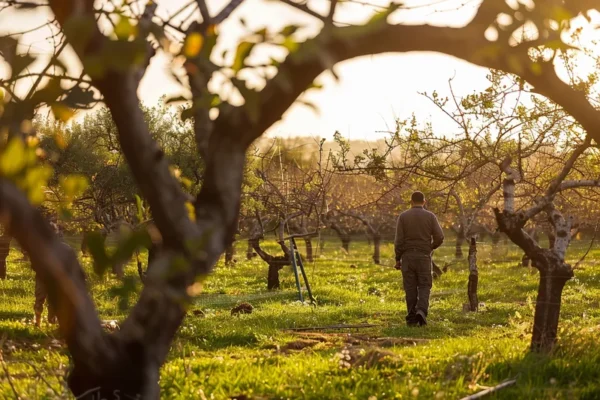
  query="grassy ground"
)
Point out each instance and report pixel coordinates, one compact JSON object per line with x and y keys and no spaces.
{"x":218,"y":356}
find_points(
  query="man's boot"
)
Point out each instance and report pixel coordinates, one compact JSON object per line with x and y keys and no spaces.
{"x":38,"y":319}
{"x":421,"y":318}
{"x":411,"y":319}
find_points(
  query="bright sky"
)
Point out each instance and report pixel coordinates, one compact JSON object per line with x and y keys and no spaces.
{"x":371,"y":91}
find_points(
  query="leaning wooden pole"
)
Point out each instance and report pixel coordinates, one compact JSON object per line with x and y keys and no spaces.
{"x":473,"y":276}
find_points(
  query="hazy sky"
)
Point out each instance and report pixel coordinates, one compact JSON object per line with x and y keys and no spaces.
{"x":371,"y":92}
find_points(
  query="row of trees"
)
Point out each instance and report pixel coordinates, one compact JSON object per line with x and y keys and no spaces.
{"x":115,"y":42}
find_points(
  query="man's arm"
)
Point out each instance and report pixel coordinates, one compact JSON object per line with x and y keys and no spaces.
{"x":438,"y":233}
{"x":399,"y":241}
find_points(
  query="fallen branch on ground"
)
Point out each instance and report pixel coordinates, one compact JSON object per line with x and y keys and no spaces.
{"x":490,"y":390}
{"x":339,"y":326}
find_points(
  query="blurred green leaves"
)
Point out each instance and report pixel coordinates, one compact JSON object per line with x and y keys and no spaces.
{"x":19,"y":164}
{"x":104,"y":260}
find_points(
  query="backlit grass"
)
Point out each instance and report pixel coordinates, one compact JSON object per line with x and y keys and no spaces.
{"x":219,"y":356}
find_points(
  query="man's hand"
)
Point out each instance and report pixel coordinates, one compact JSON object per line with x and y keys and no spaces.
{"x":398,"y":265}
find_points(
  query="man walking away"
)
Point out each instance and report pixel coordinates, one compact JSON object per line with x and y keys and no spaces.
{"x":418,"y":233}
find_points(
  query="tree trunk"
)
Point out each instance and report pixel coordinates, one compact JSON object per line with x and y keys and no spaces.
{"x":437,"y":272}
{"x":377,"y":249}
{"x":525,"y":260}
{"x":4,"y":251}
{"x":551,"y":240}
{"x":250,"y":254}
{"x":346,"y":243}
{"x":273,"y":277}
{"x":496,"y":237}
{"x":473,"y":277}
{"x":547,"y":309}
{"x":309,"y":248}
{"x":459,"y":242}
{"x":229,"y":254}
{"x":83,"y":247}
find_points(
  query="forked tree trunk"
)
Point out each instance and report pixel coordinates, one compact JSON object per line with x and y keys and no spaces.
{"x":458,"y":253}
{"x":377,"y":248}
{"x":275,"y":263}
{"x":473,"y":277}
{"x":309,"y":249}
{"x":4,"y":251}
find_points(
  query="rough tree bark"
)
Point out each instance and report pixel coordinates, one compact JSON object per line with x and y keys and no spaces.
{"x":473,"y":276}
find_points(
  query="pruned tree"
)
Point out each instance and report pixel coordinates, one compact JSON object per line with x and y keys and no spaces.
{"x":550,"y":262}
{"x":275,"y":263}
{"x":195,"y":235}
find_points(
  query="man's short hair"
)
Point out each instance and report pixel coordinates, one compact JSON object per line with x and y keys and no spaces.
{"x":417,"y":197}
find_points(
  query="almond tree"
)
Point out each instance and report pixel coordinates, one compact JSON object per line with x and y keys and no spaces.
{"x":112,"y":45}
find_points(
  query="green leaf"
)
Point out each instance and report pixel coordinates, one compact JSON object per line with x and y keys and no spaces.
{"x":140,"y":208}
{"x":124,"y":29}
{"x":35,"y":182}
{"x":381,"y":17}
{"x":243,"y":51}
{"x":13,"y":158}
{"x":132,"y":242}
{"x":73,"y":186}
{"x":289,"y":30}
{"x":95,"y":243}
{"x":79,"y":98}
{"x":193,"y":44}
{"x":79,"y":29}
{"x":124,"y":293}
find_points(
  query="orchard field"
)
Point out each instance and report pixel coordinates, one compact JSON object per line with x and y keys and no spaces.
{"x":252,"y":356}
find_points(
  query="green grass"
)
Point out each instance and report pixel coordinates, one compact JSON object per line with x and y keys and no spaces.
{"x":219,"y":356}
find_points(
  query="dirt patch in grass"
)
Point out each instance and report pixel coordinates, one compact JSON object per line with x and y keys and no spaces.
{"x":360,"y":339}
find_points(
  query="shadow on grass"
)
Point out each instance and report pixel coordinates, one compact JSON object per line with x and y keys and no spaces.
{"x":14,"y":315}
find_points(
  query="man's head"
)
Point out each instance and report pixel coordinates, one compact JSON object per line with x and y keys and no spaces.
{"x":417,"y":199}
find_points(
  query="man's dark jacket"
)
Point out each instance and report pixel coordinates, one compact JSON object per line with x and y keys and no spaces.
{"x":417,"y":229}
